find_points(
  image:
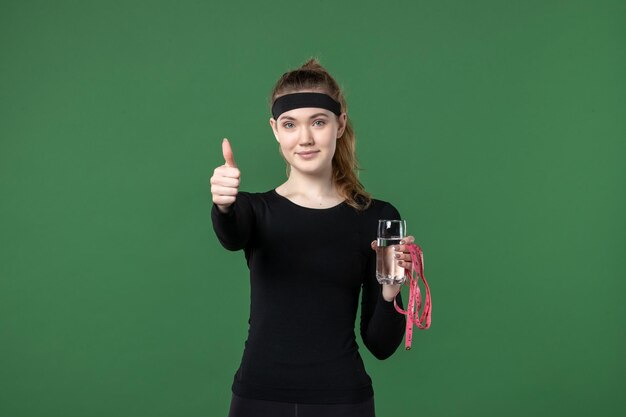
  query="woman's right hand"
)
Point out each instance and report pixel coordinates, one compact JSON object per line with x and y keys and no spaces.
{"x":225,"y":180}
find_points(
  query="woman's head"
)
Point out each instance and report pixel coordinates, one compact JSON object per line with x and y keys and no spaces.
{"x":330,"y":134}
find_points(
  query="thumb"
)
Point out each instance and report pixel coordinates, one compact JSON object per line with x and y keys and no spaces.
{"x":228,"y":154}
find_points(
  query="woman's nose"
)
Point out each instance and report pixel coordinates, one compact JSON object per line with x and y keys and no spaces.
{"x":306,"y":138}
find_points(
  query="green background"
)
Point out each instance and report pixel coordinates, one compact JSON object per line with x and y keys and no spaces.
{"x":496,"y":128}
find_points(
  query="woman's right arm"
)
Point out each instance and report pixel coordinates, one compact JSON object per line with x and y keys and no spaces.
{"x":234,"y":228}
{"x":231,"y":214}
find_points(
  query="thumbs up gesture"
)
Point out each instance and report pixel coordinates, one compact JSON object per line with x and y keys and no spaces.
{"x":225,"y":180}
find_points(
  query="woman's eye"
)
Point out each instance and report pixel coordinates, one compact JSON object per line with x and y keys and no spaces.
{"x":288,"y":124}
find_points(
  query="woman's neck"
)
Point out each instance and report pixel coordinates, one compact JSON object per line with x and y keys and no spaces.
{"x":309,"y":189}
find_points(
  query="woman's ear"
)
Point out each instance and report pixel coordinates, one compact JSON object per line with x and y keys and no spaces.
{"x":342,"y":118}
{"x":273,"y":125}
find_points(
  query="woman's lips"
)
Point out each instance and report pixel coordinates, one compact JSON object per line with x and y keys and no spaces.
{"x":308,"y":155}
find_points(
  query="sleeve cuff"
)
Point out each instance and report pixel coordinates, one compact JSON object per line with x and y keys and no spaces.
{"x":229,"y":214}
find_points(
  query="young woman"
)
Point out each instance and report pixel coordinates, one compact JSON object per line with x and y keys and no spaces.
{"x":310,"y":247}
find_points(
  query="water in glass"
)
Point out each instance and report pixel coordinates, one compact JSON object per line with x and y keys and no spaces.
{"x":390,"y":233}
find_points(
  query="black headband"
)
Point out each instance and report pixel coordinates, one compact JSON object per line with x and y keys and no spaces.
{"x":297,"y":100}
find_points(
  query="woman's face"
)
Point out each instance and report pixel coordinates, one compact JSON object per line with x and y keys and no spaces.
{"x":308,"y":137}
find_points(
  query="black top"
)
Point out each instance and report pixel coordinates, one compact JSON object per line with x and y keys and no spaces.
{"x":307,"y":267}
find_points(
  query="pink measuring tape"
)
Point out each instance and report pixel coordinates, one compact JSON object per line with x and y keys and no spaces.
{"x":415,"y":298}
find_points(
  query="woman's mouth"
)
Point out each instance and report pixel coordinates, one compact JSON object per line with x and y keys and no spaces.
{"x":308,"y":154}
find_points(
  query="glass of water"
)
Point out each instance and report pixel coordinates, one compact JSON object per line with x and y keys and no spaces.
{"x":390,"y":233}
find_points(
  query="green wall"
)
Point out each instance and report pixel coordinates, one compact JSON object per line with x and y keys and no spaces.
{"x":497,"y":128}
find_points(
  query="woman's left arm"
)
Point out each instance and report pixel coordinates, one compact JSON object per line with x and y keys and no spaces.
{"x":382,"y":327}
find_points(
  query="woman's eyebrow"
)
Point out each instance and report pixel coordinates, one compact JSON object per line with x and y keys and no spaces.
{"x":310,"y":117}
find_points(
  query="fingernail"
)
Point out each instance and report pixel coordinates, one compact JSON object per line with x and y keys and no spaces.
{"x":402,"y":242}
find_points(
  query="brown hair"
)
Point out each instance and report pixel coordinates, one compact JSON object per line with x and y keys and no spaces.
{"x":312,"y":76}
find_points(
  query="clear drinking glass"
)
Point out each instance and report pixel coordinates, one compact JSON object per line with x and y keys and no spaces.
{"x":390,"y":233}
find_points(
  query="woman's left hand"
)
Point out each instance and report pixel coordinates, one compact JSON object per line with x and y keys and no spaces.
{"x":403,"y":257}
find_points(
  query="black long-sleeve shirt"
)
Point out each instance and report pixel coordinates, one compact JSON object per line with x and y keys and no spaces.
{"x":307,"y":267}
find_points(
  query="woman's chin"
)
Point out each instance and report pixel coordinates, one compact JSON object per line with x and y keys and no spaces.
{"x":310,"y":169}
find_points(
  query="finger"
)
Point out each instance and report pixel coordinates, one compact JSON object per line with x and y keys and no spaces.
{"x":405,"y":264}
{"x":225,"y":181}
{"x":220,"y":190}
{"x":224,"y":199}
{"x":374,"y":245}
{"x":402,"y":256}
{"x":228,"y":154}
{"x":406,"y":241}
{"x":226,"y":171}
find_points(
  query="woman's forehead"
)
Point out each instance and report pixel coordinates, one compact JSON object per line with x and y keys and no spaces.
{"x":305,"y":113}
